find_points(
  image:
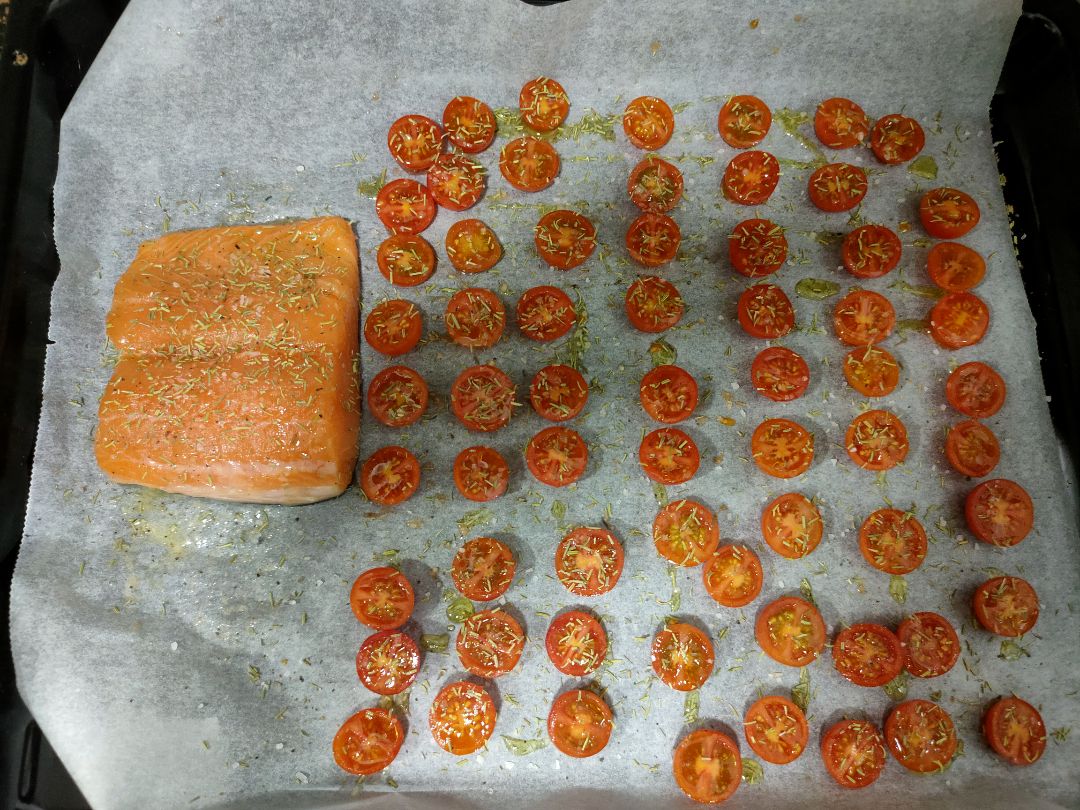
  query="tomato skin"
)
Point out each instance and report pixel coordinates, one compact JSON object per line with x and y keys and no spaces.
{"x":545,"y":313}
{"x":572,"y":710}
{"x":840,"y":123}
{"x":863,"y":317}
{"x":751,"y":177}
{"x":388,"y":662}
{"x":867,"y":654}
{"x":415,"y":142}
{"x":782,"y":448}
{"x":791,"y":525}
{"x":544,"y":104}
{"x":1015,"y":731}
{"x":481,"y":473}
{"x":947,"y":213}
{"x":921,"y":736}
{"x":558,"y":393}
{"x":776,"y":729}
{"x":837,"y":187}
{"x":653,"y":304}
{"x":1007,"y":606}
{"x":999,"y":512}
{"x":397,"y":396}
{"x":871,"y":251}
{"x":589,"y":561}
{"x":877,"y":440}
{"x":490,"y":643}
{"x":854,"y":753}
{"x":469,"y":124}
{"x":791,"y":631}
{"x":382,"y":598}
{"x":733,"y":576}
{"x":655,"y":185}
{"x":896,"y":139}
{"x":872,"y":371}
{"x":472,"y":246}
{"x":668,"y":394}
{"x":462,"y":718}
{"x":456,"y":181}
{"x":893,"y":541}
{"x":406,"y":260}
{"x":955,"y":267}
{"x":958,"y":320}
{"x":390,"y":475}
{"x":393,"y":327}
{"x":744,"y":121}
{"x":685,"y":533}
{"x":976,"y":390}
{"x":765,"y":312}
{"x":972,"y":449}
{"x":931,"y":646}
{"x":405,"y":206}
{"x":682,"y":656}
{"x":368,"y":742}
{"x":757,"y":247}
{"x":669,"y":456}
{"x":482,"y":398}
{"x":780,"y":374}
{"x":483,"y":569}
{"x":529,"y":164}
{"x":653,"y":239}
{"x":576,"y":643}
{"x":648,"y":122}
{"x":692,"y":761}
{"x":475,"y":318}
{"x":557,"y":456}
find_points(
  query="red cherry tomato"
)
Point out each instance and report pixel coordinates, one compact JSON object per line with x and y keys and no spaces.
{"x":388,"y":662}
{"x":469,"y":123}
{"x":382,"y":598}
{"x":751,"y":177}
{"x":779,"y":374}
{"x":669,"y":456}
{"x":931,"y":646}
{"x":580,"y":723}
{"x":733,"y":576}
{"x":757,"y":247}
{"x":397,"y":396}
{"x":589,"y":561}
{"x":545,"y":313}
{"x":481,"y":473}
{"x":456,"y":181}
{"x":483,"y":569}
{"x":685,"y":533}
{"x":544,"y":104}
{"x":490,"y":643}
{"x":921,"y":736}
{"x":867,"y":654}
{"x":391,"y":475}
{"x":782,"y":448}
{"x":972,"y":448}
{"x":648,"y":122}
{"x":576,"y":643}
{"x":999,"y":512}
{"x":871,"y":251}
{"x":368,"y":742}
{"x":896,"y":139}
{"x":776,"y":729}
{"x":564,"y":239}
{"x":682,"y":656}
{"x":863,"y":317}
{"x":558,"y":393}
{"x":790,"y":631}
{"x":893,"y":541}
{"x":482,"y":398}
{"x":876,"y":440}
{"x":653,"y":239}
{"x":955,"y":267}
{"x":462,"y":718}
{"x":947,"y":213}
{"x":707,"y":766}
{"x":653,"y":304}
{"x":872,"y":371}
{"x":406,"y":260}
{"x":405,"y":206}
{"x":765,"y":312}
{"x":415,"y":142}
{"x":475,"y":318}
{"x":958,"y":320}
{"x":668,"y":394}
{"x":837,"y":187}
{"x":529,"y":164}
{"x":744,"y":121}
{"x":840,"y":123}
{"x":655,"y":185}
{"x":791,"y":525}
{"x":854,"y":753}
{"x":472,"y":246}
{"x":557,"y":456}
{"x":1007,"y":606}
{"x":976,"y":390}
{"x":1015,"y":731}
{"x":393,"y":327}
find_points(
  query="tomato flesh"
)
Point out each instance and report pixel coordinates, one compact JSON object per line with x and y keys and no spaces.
{"x":707,"y":766}
{"x":791,"y":525}
{"x":564,"y":239}
{"x":871,"y":251}
{"x":475,"y":318}
{"x":544,"y":104}
{"x":529,"y":164}
{"x":896,"y":139}
{"x":872,"y":371}
{"x":469,"y":123}
{"x":388,"y":663}
{"x":669,"y":456}
{"x":733,"y":576}
{"x":668,"y":394}
{"x":462,"y":718}
{"x":576,"y":643}
{"x":472,"y":246}
{"x":867,"y":654}
{"x":751,"y":177}
{"x":776,"y":729}
{"x":405,"y":206}
{"x":393,"y":327}
{"x":837,"y":187}
{"x":653,"y":304}
{"x":481,"y":473}
{"x":765,"y":312}
{"x":580,"y":723}
{"x":382,"y":598}
{"x":877,"y":440}
{"x":921,"y":736}
{"x":655,"y":185}
{"x":415,"y":142}
{"x":854,"y":753}
{"x":397,"y":396}
{"x":948,"y":213}
{"x":972,"y":449}
{"x":648,"y":122}
{"x":999,"y":512}
{"x":1007,"y":606}
{"x":780,"y":374}
{"x":482,"y":398}
{"x":557,"y":456}
{"x":744,"y":121}
{"x":589,"y":561}
{"x":782,"y":448}
{"x":840,"y":123}
{"x":490,"y":643}
{"x":653,"y":239}
{"x":1015,"y":730}
{"x":558,"y":392}
{"x":545,"y":313}
{"x":893,"y":541}
{"x":456,"y":181}
{"x":757,"y":247}
{"x":682,"y":656}
{"x":483,"y":569}
{"x":959,"y":319}
{"x":390,"y":475}
{"x":976,"y":390}
{"x":406,"y":259}
{"x":368,"y":742}
{"x":863,"y":317}
{"x":790,"y":631}
{"x":931,"y":646}
{"x":685,"y":533}
{"x":955,"y":267}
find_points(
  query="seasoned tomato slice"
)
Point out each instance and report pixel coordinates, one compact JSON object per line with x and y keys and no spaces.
{"x":483,"y":569}
{"x":388,"y":662}
{"x":782,"y":448}
{"x":669,"y":456}
{"x":867,"y":654}
{"x":955,"y":267}
{"x":529,"y":164}
{"x":921,"y":736}
{"x":1007,"y":606}
{"x":854,"y":753}
{"x":557,"y":456}
{"x":472,"y":246}
{"x":871,"y":251}
{"x":405,"y":206}
{"x":863,"y":317}
{"x":406,"y":260}
{"x":469,"y":123}
{"x":382,"y":598}
{"x":765,"y":312}
{"x":462,"y":718}
{"x":931,"y":646}
{"x":668,"y":394}
{"x":589,"y":561}
{"x":733,"y":576}
{"x":959,"y":319}
{"x":744,"y":121}
{"x":790,"y":631}
{"x":564,"y":239}
{"x":685,"y":533}
{"x":368,"y":741}
{"x":393,"y":327}
{"x":893,"y":541}
{"x":576,"y":643}
{"x":653,"y":304}
{"x":948,"y":213}
{"x":475,"y":318}
{"x":876,"y":440}
{"x":655,"y":185}
{"x":653,"y":239}
{"x":580,"y":723}
{"x":972,"y":448}
{"x":543,"y":103}
{"x":872,"y":371}
{"x":545,"y":313}
{"x":682,"y":656}
{"x":976,"y":390}
{"x":707,"y":766}
{"x":757,"y":247}
{"x":779,"y":374}
{"x":999,"y":512}
{"x":791,"y":525}
{"x":751,"y":177}
{"x":648,"y":122}
{"x":776,"y":729}
{"x":415,"y":142}
{"x":558,"y":392}
{"x":1015,"y":730}
{"x":456,"y":181}
{"x":397,"y":396}
{"x":840,"y":123}
{"x":896,"y":139}
{"x":390,"y":475}
{"x":489,"y":643}
{"x":482,"y":398}
{"x":837,"y":187}
{"x":481,"y":473}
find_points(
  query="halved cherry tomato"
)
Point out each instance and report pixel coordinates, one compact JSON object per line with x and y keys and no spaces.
{"x":653,"y":239}
{"x":456,"y":181}
{"x":757,"y":247}
{"x":388,"y":662}
{"x":682,"y":656}
{"x":872,"y":371}
{"x":685,"y":533}
{"x":558,"y":392}
{"x":653,"y":304}
{"x":744,"y":121}
{"x":959,"y":319}
{"x":382,"y":598}
{"x":576,"y":643}
{"x":733,"y":576}
{"x":368,"y":741}
{"x":655,"y":185}
{"x":543,"y":103}
{"x":564,"y":239}
{"x":931,"y":646}
{"x":557,"y":456}
{"x":648,"y":122}
{"x":668,"y":394}
{"x":765,"y":312}
{"x":482,"y":398}
{"x":469,"y":124}
{"x":529,"y":164}
{"x":840,"y":123}
{"x":1014,"y":729}
{"x":462,"y":718}
{"x":776,"y":729}
{"x":405,"y":206}
{"x":876,"y":440}
{"x":867,"y":654}
{"x":589,"y":561}
{"x":779,"y":374}
{"x":896,"y":139}
{"x":999,"y":512}
{"x":580,"y":723}
{"x":481,"y":473}
{"x":921,"y":736}
{"x":397,"y":396}
{"x":837,"y":187}
{"x":782,"y":448}
{"x":976,"y":390}
{"x":955,"y":267}
{"x":863,"y":317}
{"x":791,"y":525}
{"x":893,"y":541}
{"x":406,"y":259}
{"x":415,"y":142}
{"x":472,"y":246}
{"x":475,"y":318}
{"x":483,"y":569}
{"x":791,"y":631}
{"x":391,"y":475}
{"x":972,"y":448}
{"x":854,"y":753}
{"x":947,"y":213}
{"x":707,"y":766}
{"x":669,"y":456}
{"x":871,"y":251}
{"x":545,"y":313}
{"x":489,"y":643}
{"x":1007,"y":606}
{"x":393,"y":327}
{"x":751,"y":177}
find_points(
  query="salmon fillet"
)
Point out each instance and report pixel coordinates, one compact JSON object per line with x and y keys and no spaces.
{"x":238,"y":376}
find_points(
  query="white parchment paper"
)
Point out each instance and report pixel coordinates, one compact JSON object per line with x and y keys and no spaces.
{"x":187,"y":653}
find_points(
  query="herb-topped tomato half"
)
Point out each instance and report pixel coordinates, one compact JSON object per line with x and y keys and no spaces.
{"x":776,"y":729}
{"x":999,"y":512}
{"x":653,"y":304}
{"x":545,"y":313}
{"x":757,"y":247}
{"x":791,"y":525}
{"x":415,"y":142}
{"x":1007,"y":606}
{"x":580,"y":723}
{"x":896,"y":139}
{"x":668,"y":394}
{"x":391,"y":475}
{"x":406,"y":260}
{"x":589,"y":561}
{"x":876,"y":440}
{"x":483,"y":569}
{"x":972,"y":448}
{"x":482,"y":398}
{"x":765,"y":312}
{"x":481,"y":473}
{"x":544,"y":104}
{"x":489,"y":643}
{"x":558,"y":393}
{"x":564,"y":239}
{"x":368,"y":742}
{"x":751,"y":177}
{"x":872,"y":371}
{"x":682,"y":656}
{"x":529,"y":164}
{"x":976,"y":390}
{"x":947,"y":213}
{"x":779,"y":374}
{"x":958,"y":320}
{"x":707,"y":766}
{"x":733,"y":576}
{"x":655,"y":185}
{"x":893,"y":541}
{"x":405,"y":206}
{"x":867,"y":654}
{"x":837,"y":187}
{"x":871,"y":251}
{"x":472,"y":246}
{"x":921,"y":736}
{"x":854,"y":753}
{"x":782,"y":448}
{"x":382,"y":598}
{"x":393,"y":327}
{"x":388,"y":662}
{"x":576,"y":643}
{"x":669,"y":456}
{"x":557,"y":456}
{"x":469,"y":123}
{"x":475,"y":318}
{"x":955,"y":267}
{"x":790,"y":631}
{"x":397,"y":396}
{"x":744,"y":121}
{"x":456,"y":181}
{"x":840,"y":123}
{"x":653,"y":239}
{"x":648,"y":122}
{"x":931,"y":646}
{"x":1014,"y":729}
{"x":685,"y":533}
{"x":462,"y":718}
{"x":863,"y":317}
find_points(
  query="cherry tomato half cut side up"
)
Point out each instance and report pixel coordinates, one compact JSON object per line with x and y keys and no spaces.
{"x":896,"y":139}
{"x":863,"y":317}
{"x":415,"y":142}
{"x":958,"y":320}
{"x":382,"y":598}
{"x":472,"y":246}
{"x":653,"y":239}
{"x":976,"y":390}
{"x":669,"y":456}
{"x":955,"y":267}
{"x":972,"y":449}
{"x":589,"y":561}
{"x":1014,"y":729}
{"x":557,"y":456}
{"x":390,"y":475}
{"x":655,"y":185}
{"x":837,"y":187}
{"x":867,"y":654}
{"x":405,"y":206}
{"x":544,"y":104}
{"x":393,"y":327}
{"x":482,"y":398}
{"x":854,"y":753}
{"x":469,"y":123}
{"x":545,"y":313}
{"x":733,"y":576}
{"x":1007,"y":606}
{"x":682,"y":656}
{"x":564,"y":239}
{"x":757,"y":247}
{"x":999,"y":512}
{"x":751,"y":177}
{"x":576,"y":643}
{"x":406,"y":260}
{"x":791,"y":631}
{"x":872,"y":371}
{"x":490,"y":643}
{"x":397,"y":396}
{"x":893,"y":541}
{"x":765,"y":312}
{"x":653,"y":304}
{"x":707,"y":766}
{"x":648,"y":122}
{"x":871,"y":251}
{"x":481,"y":473}
{"x":877,"y":440}
{"x":744,"y":121}
{"x":776,"y":729}
{"x":840,"y":123}
{"x":388,"y":662}
{"x":782,"y":448}
{"x":947,"y":213}
{"x":779,"y":374}
{"x":483,"y":569}
{"x":580,"y":723}
{"x":668,"y":394}
{"x":558,"y":393}
{"x":475,"y":318}
{"x":368,"y":742}
{"x":685,"y":533}
{"x":791,"y":525}
{"x":529,"y":164}
{"x":921,"y":736}
{"x":462,"y":718}
{"x":931,"y":646}
{"x":456,"y":181}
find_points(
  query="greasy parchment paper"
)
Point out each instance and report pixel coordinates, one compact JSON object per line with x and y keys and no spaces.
{"x":187,"y":653}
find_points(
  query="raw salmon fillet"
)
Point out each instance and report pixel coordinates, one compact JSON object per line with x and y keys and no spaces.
{"x":238,"y":376}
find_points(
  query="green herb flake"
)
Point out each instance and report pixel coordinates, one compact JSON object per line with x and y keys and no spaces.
{"x":392,"y":782}
{"x":816,"y":289}
{"x":752,"y":772}
{"x":924,"y":166}
{"x":1061,"y":734}
{"x":459,"y":610}
{"x":675,"y":602}
{"x":921,"y":290}
{"x":1011,"y":651}
{"x":662,"y":353}
{"x":692,"y":706}
{"x":800,"y":692}
{"x":660,"y":493}
{"x":807,"y":591}
{"x":897,"y":688}
{"x":522,"y":748}
{"x":470,"y":520}
{"x":435,"y":642}
{"x":372,"y":186}
{"x":558,"y":510}
{"x":898,"y":589}
{"x":905,"y":325}
{"x":682,"y":106}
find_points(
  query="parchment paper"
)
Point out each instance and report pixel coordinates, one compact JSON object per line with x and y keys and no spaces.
{"x":186,"y":653}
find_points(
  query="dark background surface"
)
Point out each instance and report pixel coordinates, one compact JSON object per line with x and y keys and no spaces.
{"x":1035,"y":117}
